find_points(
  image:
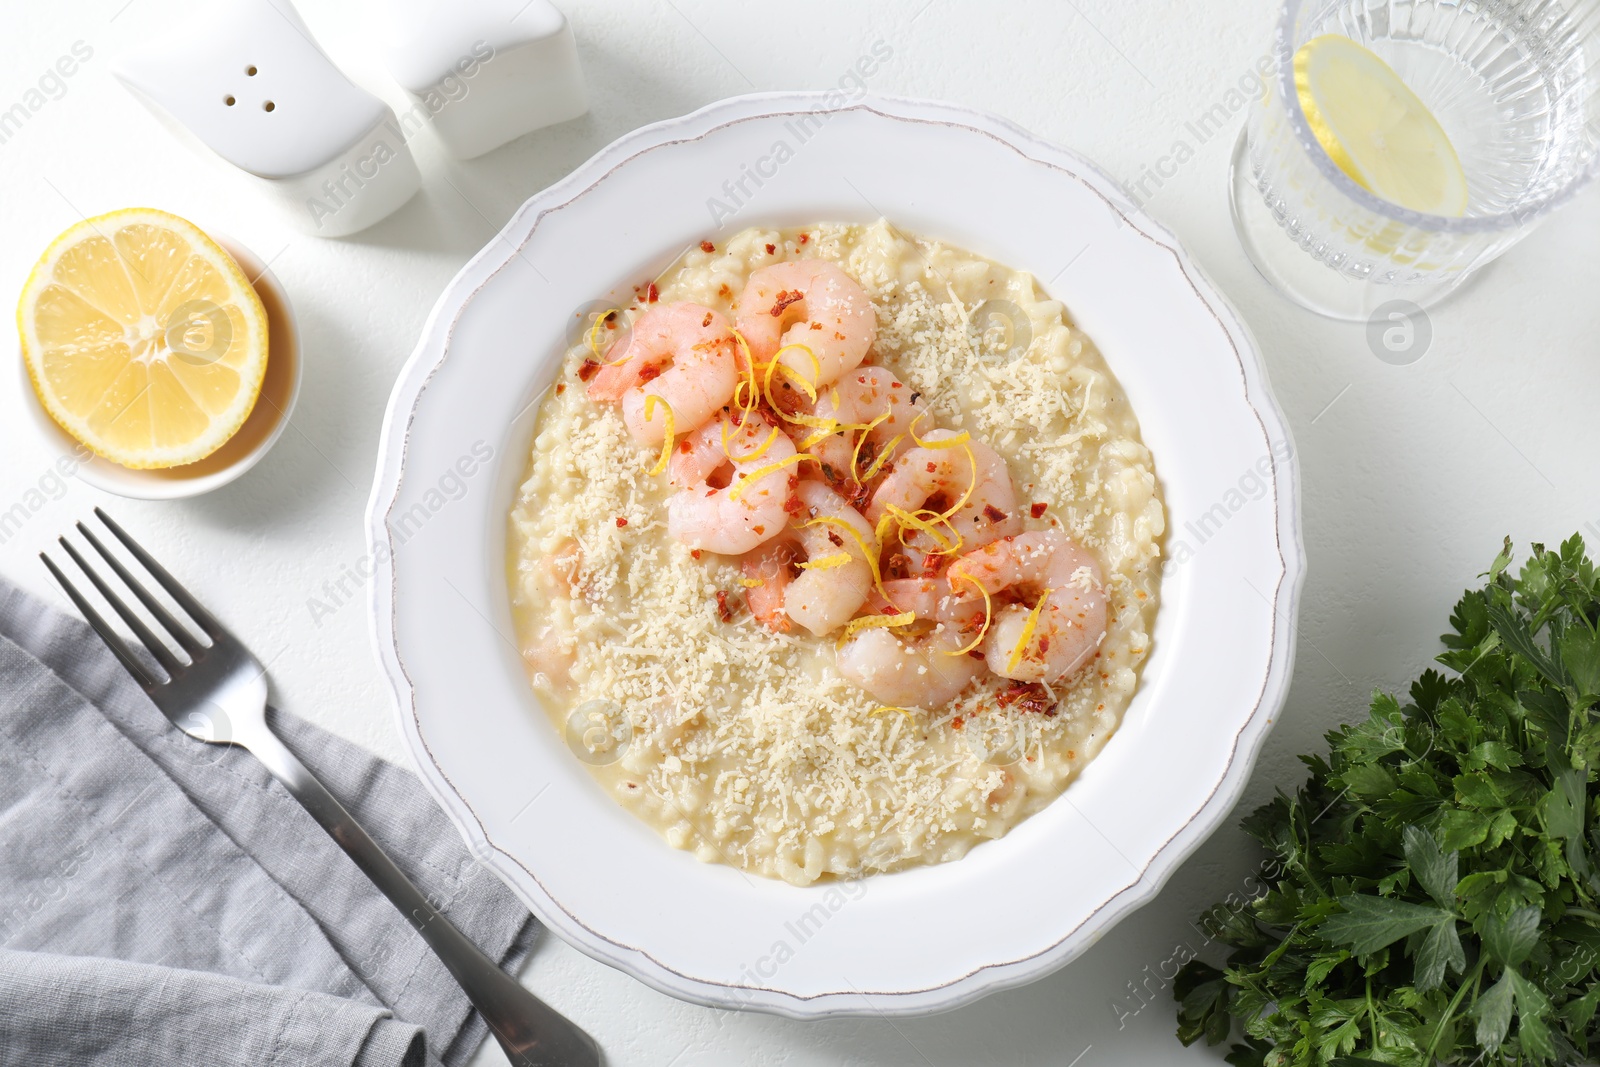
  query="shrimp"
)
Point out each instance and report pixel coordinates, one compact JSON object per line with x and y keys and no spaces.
{"x":939,"y":477}
{"x":857,"y":399}
{"x":683,"y":353}
{"x":811,"y":303}
{"x":931,"y":599}
{"x":549,"y":660}
{"x":726,"y":503}
{"x":699,"y":456}
{"x":558,"y":572}
{"x":550,"y":654}
{"x":920,"y":595}
{"x":820,"y":599}
{"x":772,"y":567}
{"x":1072,"y":621}
{"x":909,"y":672}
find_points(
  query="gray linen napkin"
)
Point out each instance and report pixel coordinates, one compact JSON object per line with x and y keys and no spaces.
{"x":166,"y":901}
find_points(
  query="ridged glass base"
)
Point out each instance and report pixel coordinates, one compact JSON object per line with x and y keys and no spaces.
{"x":1301,"y":276}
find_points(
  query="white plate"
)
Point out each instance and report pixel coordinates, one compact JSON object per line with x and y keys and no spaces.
{"x":907,"y":943}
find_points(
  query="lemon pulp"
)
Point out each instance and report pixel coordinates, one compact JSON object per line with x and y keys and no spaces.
{"x":143,"y":338}
{"x":1376,"y":129}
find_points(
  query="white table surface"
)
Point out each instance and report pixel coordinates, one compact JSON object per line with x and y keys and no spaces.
{"x":1412,"y":474}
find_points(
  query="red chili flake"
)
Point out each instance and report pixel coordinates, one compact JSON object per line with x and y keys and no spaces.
{"x":724,"y":612}
{"x":975,"y":654}
{"x":707,"y":247}
{"x":816,"y":325}
{"x":649,"y":373}
{"x":804,"y":238}
{"x":957,"y":723}
{"x":685,"y":447}
{"x":652,"y":294}
{"x":771,"y":249}
{"x":835,"y":540}
{"x":561,"y":387}
{"x":1044,"y":645}
{"x":621,"y":522}
{"x":586,"y":371}
{"x":760,"y":530}
{"x":793,"y":506}
{"x":897,"y":566}
{"x":932,"y":467}
{"x":694,"y":553}
{"x":724,"y":292}
{"x":896,"y":385}
{"x":1026,"y":697}
{"x":785,"y":298}
{"x":1038,"y":510}
{"x":837,"y":336}
{"x":707,"y":320}
{"x":993,"y":514}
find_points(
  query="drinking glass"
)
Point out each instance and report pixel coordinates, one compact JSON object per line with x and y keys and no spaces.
{"x":1513,"y":83}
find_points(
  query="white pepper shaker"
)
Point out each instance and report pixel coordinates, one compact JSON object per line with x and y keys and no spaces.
{"x":245,"y":80}
{"x":481,"y":72}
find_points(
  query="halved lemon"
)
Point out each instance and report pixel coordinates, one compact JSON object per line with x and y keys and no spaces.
{"x":143,"y":338}
{"x":1376,"y":129}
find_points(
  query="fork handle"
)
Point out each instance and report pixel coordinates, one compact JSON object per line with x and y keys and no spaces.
{"x":531,"y":1032}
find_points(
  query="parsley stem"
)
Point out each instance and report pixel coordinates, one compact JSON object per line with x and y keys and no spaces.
{"x":1450,"y":1011}
{"x":1586,"y":915}
{"x":1372,"y":1015}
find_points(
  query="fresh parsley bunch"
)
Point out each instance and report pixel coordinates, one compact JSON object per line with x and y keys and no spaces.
{"x":1433,"y":895}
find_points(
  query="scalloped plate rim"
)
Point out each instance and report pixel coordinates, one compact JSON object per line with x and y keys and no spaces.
{"x":430,"y":353}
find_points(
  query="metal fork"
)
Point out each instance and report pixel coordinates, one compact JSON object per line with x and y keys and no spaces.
{"x":218,"y":694}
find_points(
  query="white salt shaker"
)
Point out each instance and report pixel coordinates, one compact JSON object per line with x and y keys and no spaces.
{"x":482,"y":72}
{"x":246,"y":80}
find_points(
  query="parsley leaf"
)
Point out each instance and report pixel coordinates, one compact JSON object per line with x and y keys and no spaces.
{"x":1435,"y":870}
{"x":1441,"y":951}
{"x":1370,"y":923}
{"x":1493,"y":1010}
{"x":1511,"y":940}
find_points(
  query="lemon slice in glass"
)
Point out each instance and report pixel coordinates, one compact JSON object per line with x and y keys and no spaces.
{"x":1376,"y":129}
{"x":143,"y":338}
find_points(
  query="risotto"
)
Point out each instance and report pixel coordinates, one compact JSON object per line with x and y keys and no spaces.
{"x":750,"y":740}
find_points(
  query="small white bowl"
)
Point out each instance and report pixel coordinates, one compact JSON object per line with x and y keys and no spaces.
{"x":261,"y":430}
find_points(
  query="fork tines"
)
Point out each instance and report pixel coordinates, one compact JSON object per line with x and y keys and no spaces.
{"x":159,"y":649}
